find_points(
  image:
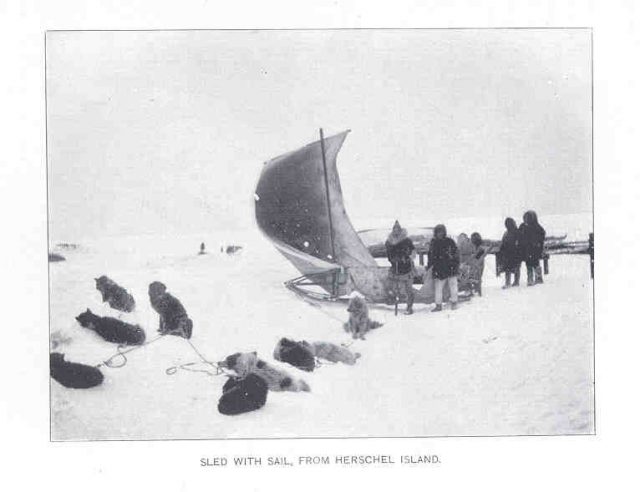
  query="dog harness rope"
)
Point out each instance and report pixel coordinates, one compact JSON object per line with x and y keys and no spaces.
{"x":110,"y":363}
{"x":219,"y":371}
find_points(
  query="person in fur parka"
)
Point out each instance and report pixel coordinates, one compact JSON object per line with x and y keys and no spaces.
{"x":532,"y":236}
{"x":509,"y":254}
{"x":444,"y":259}
{"x":400,"y":249}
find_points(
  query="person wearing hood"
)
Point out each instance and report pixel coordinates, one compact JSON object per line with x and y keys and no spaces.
{"x":399,"y":253}
{"x":532,"y":236}
{"x":477,"y":263}
{"x":444,"y":259}
{"x":510,"y":257}
{"x":465,"y":253}
{"x":465,"y":248}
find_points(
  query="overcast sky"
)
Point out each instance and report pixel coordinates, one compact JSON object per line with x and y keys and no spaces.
{"x":166,"y":132}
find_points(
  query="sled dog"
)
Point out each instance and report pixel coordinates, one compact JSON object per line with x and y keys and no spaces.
{"x":117,"y":297}
{"x":241,"y":395}
{"x":112,"y":329}
{"x":277,"y":379}
{"x":73,"y":375}
{"x":359,"y":323}
{"x":173,"y":316}
{"x":298,"y":354}
{"x":334,"y":353}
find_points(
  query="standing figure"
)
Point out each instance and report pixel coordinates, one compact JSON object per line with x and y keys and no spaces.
{"x":173,"y":316}
{"x":465,"y":248}
{"x":477,"y":263}
{"x":509,"y":254}
{"x":399,"y":251}
{"x":532,"y":236}
{"x":445,"y":261}
{"x":202,"y":249}
{"x":465,"y":253}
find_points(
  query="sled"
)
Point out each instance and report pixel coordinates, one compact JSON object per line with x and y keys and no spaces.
{"x":299,"y":207}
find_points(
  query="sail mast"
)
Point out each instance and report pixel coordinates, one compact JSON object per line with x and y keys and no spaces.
{"x":326,"y":187}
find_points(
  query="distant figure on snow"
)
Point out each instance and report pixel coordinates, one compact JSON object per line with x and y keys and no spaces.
{"x":54,"y":257}
{"x":233,"y":249}
{"x":173,"y":316}
{"x":477,"y":263}
{"x":399,"y":251}
{"x":532,"y":236}
{"x":202,"y":250}
{"x":117,"y":297}
{"x":510,"y":256}
{"x":445,"y":260}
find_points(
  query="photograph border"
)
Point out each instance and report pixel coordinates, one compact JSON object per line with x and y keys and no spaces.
{"x":307,"y":29}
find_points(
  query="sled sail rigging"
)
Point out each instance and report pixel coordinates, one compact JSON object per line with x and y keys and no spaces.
{"x":299,"y":207}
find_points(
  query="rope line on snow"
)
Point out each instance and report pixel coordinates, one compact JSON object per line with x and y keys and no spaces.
{"x":170,"y":371}
{"x":120,"y":360}
{"x":121,"y":353}
{"x":219,"y":371}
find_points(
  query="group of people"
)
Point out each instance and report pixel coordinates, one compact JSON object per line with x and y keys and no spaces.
{"x":524,"y":243}
{"x":445,"y":257}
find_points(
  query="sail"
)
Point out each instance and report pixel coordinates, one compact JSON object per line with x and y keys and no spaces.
{"x":299,"y":207}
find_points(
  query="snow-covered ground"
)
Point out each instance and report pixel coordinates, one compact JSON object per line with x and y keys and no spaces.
{"x":512,"y":362}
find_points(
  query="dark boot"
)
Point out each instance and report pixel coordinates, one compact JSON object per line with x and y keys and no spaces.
{"x":516,"y":277}
{"x":507,"y":280}
{"x":530,"y":280}
{"x":538,"y":275}
{"x":437,"y":308}
{"x":410,"y":297}
{"x":454,"y":306}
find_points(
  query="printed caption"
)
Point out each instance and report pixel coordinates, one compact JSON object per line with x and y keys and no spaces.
{"x":321,"y":460}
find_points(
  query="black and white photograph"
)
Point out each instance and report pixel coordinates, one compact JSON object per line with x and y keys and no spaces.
{"x":314,"y":233}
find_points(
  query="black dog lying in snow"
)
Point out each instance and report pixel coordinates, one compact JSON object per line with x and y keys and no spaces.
{"x":117,"y":297}
{"x":112,"y":329}
{"x":73,"y":375}
{"x":241,"y":395}
{"x":298,"y":354}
